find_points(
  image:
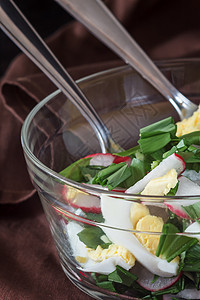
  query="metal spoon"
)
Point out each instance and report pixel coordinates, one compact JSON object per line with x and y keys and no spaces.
{"x":17,"y":27}
{"x":101,"y":22}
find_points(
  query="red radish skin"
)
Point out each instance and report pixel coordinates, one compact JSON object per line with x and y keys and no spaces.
{"x":186,"y":188}
{"x":91,"y":204}
{"x":88,"y":203}
{"x":119,"y":159}
{"x":177,"y":210}
{"x":145,"y":279}
{"x":182,"y":160}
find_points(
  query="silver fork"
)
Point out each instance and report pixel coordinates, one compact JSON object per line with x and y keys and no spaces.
{"x":102,"y":23}
{"x":17,"y":27}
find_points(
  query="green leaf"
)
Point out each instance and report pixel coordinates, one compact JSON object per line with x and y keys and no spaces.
{"x":113,"y":175}
{"x":164,"y":126}
{"x":118,"y":177}
{"x":171,"y":151}
{"x":171,"y":244}
{"x":129,"y":152}
{"x":99,"y":277}
{"x":92,"y":237}
{"x":94,"y":217}
{"x":107,"y":285}
{"x":192,"y":138}
{"x":154,"y":143}
{"x":158,"y":155}
{"x":191,"y":261}
{"x":173,"y":191}
{"x":192,"y":210}
{"x":73,"y":171}
{"x":120,"y":275}
{"x":181,"y":146}
{"x":101,"y":176}
{"x":138,"y":170}
{"x":89,"y":172}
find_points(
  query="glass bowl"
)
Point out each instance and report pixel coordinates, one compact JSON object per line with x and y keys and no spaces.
{"x":54,"y":135}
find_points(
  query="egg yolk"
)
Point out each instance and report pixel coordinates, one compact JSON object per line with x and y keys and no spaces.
{"x":189,"y":125}
{"x":137,"y":212}
{"x":153,"y":224}
{"x":113,"y":250}
{"x":161,"y":186}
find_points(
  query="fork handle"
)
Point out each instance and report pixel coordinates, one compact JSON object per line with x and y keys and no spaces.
{"x":102,"y":23}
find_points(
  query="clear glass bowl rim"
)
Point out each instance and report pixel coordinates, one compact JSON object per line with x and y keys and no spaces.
{"x":56,"y":176}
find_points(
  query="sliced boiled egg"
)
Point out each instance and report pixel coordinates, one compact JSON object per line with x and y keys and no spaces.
{"x":137,"y":212}
{"x":194,"y":230}
{"x":152,"y":224}
{"x":102,"y":261}
{"x":189,"y":125}
{"x":117,"y":215}
{"x":162,"y":185}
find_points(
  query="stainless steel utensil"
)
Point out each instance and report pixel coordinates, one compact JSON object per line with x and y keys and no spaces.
{"x":101,"y":22}
{"x":17,"y":27}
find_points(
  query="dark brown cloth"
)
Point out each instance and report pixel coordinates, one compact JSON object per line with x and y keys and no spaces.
{"x":29,"y":265}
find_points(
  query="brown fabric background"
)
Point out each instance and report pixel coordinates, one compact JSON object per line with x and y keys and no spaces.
{"x":29,"y":265}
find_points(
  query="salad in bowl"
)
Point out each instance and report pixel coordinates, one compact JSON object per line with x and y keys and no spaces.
{"x":126,"y":225}
{"x":145,"y":245}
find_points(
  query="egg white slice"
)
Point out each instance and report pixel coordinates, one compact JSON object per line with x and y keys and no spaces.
{"x":79,"y":250}
{"x":116,"y":213}
{"x":106,"y":266}
{"x":194,"y":230}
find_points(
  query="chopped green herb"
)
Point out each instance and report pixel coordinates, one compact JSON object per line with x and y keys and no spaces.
{"x":120,"y":275}
{"x":192,"y":138}
{"x":94,"y":217}
{"x":89,"y":172}
{"x":119,"y":177}
{"x":138,"y":170}
{"x":101,"y":176}
{"x":171,"y":244}
{"x":73,"y":171}
{"x":130,"y":152}
{"x":164,"y":126}
{"x":107,"y":285}
{"x":154,"y":143}
{"x":173,"y":191}
{"x":191,"y":261}
{"x":193,"y":210}
{"x":92,"y":237}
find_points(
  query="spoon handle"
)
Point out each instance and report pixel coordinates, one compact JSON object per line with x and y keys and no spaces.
{"x":100,"y":21}
{"x":23,"y":34}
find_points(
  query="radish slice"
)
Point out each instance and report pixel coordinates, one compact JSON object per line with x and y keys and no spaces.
{"x":173,"y":161}
{"x":86,"y":202}
{"x":192,"y":175}
{"x":169,"y":297}
{"x":101,"y":159}
{"x":189,"y":293}
{"x":186,"y":188}
{"x":78,"y":199}
{"x":145,"y":279}
{"x":106,"y":159}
